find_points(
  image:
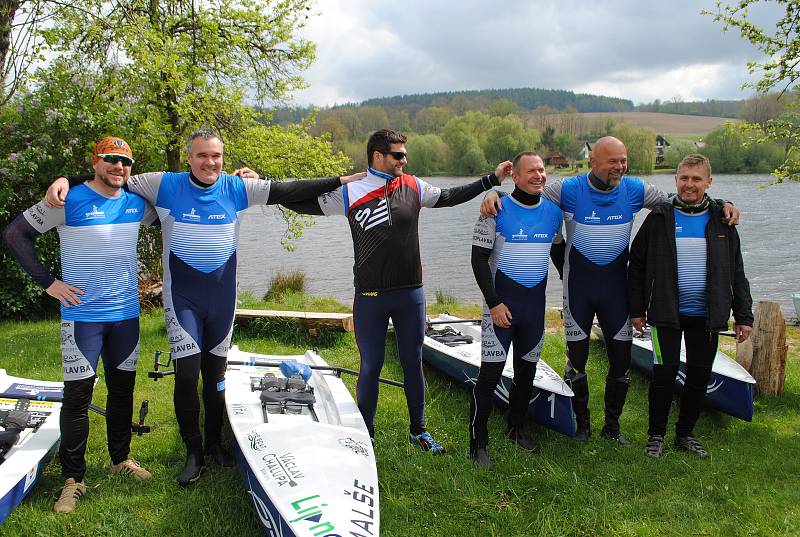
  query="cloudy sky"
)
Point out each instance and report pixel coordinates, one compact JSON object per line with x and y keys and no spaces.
{"x":636,"y":49}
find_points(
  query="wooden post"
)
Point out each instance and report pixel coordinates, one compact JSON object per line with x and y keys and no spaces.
{"x":769,"y":349}
{"x":744,"y":353}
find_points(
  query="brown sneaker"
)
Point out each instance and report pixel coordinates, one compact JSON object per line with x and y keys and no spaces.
{"x":70,"y":495}
{"x":132,"y":468}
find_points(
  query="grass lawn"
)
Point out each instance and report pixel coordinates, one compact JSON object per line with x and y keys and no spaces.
{"x":750,"y":485}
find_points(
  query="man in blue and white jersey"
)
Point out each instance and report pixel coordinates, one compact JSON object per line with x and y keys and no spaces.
{"x":510,"y":260}
{"x":200,"y":212}
{"x":599,"y":208}
{"x":99,"y":228}
{"x":686,"y":275}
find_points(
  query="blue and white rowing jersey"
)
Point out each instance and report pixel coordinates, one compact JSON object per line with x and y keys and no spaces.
{"x":199,"y":225}
{"x":98,"y":250}
{"x":520,"y":237}
{"x":690,"y":244}
{"x":599,"y":223}
{"x":200,"y":231}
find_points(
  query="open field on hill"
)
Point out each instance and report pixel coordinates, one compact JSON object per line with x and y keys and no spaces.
{"x":666,"y":124}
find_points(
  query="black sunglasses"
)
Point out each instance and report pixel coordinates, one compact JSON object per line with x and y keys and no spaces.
{"x":113,"y":159}
{"x":397,"y":155}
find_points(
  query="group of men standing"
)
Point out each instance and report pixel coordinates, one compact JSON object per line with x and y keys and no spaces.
{"x":199,"y":213}
{"x":685,"y":275}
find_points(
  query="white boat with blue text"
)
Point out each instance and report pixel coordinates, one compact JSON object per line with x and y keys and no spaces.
{"x":29,"y":414}
{"x":302,"y":447}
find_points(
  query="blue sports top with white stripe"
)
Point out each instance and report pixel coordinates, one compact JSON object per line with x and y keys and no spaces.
{"x":520,"y":237}
{"x":601,"y":221}
{"x":690,"y":244}
{"x":98,"y":250}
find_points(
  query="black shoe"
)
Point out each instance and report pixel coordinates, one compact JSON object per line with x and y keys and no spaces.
{"x":655,"y":446}
{"x":582,"y":432}
{"x":481,"y":459}
{"x":192,"y":469}
{"x":615,"y":436}
{"x":523,"y":439}
{"x":220,"y":455}
{"x":692,"y":445}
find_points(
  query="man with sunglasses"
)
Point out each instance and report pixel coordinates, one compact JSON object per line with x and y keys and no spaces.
{"x":200,"y":212}
{"x":383,"y":213}
{"x":99,"y":228}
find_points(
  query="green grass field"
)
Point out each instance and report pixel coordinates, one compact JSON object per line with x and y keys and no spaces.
{"x":750,"y":485}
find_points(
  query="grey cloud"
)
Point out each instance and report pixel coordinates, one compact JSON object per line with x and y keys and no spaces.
{"x":441,"y":46}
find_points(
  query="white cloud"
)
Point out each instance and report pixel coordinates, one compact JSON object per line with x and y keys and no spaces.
{"x":626,"y":48}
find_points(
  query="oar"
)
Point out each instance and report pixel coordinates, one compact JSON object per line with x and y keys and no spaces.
{"x":459,"y":321}
{"x":139,"y":428}
{"x":337,"y":370}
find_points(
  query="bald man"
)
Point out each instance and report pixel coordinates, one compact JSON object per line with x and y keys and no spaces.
{"x":599,"y":208}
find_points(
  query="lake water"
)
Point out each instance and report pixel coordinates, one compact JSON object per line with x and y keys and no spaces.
{"x":769,"y":231}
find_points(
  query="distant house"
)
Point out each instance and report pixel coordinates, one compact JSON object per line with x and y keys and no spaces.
{"x":586,"y":149}
{"x":556,"y":159}
{"x":700,"y":144}
{"x":661,"y":147}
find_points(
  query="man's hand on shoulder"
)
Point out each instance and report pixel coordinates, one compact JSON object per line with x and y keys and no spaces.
{"x":350,"y":178}
{"x":490,"y":205}
{"x":56,"y":193}
{"x":246,"y":173}
{"x":730,"y":214}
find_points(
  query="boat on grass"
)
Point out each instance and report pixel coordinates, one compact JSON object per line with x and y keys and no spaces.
{"x":30,"y":435}
{"x":302,"y":447}
{"x":731,"y":389}
{"x":453,"y":346}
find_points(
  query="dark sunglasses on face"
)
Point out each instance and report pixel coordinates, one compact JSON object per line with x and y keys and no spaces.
{"x":113,"y":159}
{"x":397,"y":155}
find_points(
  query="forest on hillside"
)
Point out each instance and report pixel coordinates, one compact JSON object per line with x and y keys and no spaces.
{"x":467,"y":133}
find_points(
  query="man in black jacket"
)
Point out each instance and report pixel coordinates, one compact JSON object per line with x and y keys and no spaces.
{"x":685,"y":275}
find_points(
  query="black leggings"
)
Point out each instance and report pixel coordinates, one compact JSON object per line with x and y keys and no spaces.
{"x":481,"y":401}
{"x":74,"y":420}
{"x":187,"y":403}
{"x":701,"y":347}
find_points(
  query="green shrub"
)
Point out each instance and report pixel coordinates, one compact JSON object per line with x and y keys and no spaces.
{"x":445,"y":297}
{"x":294,"y":281}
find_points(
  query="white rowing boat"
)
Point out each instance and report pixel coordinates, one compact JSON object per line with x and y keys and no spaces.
{"x":37,"y":442}
{"x":304,"y":451}
{"x":454,"y":347}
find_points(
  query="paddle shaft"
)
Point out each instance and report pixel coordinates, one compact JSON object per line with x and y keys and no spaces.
{"x":459,"y":321}
{"x":93,"y":407}
{"x":337,"y":370}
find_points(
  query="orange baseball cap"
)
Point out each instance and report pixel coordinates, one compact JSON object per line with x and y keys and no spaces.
{"x":111,"y":145}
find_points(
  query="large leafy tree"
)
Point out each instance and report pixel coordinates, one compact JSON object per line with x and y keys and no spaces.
{"x":780,"y":68}
{"x":151,"y":71}
{"x":641,"y":145}
{"x":187,"y":63}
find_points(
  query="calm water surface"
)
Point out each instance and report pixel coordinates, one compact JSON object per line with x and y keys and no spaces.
{"x":769,"y":232}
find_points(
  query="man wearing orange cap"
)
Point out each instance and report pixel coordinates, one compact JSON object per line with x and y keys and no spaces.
{"x":98,"y":227}
{"x":200,"y":210}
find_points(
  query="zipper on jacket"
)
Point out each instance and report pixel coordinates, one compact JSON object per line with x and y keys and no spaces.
{"x":386,"y":199}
